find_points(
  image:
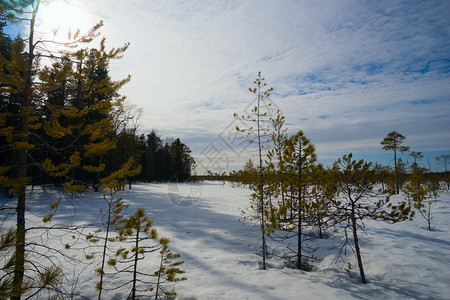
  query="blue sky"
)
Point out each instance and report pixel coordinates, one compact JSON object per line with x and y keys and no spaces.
{"x":345,"y":72}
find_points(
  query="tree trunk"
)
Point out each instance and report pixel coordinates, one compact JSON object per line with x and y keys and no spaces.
{"x":283,"y":202}
{"x":396,"y":171}
{"x":159,"y":276}
{"x":319,"y":223}
{"x":105,"y":244}
{"x":356,"y":242}
{"x":133,"y":291}
{"x":19,"y":266}
{"x":20,"y":247}
{"x":299,"y":238}
{"x":299,"y":241}
{"x":79,"y":86}
{"x":446,"y":173}
{"x":261,"y":189}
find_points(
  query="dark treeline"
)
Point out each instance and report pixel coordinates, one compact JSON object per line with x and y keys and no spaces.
{"x":161,"y":161}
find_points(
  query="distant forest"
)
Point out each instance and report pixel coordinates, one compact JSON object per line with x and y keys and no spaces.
{"x":161,"y":161}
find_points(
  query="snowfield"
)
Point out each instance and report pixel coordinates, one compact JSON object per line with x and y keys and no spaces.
{"x":220,"y":253}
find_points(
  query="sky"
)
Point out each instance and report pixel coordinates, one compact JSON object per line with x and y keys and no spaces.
{"x":345,"y":72}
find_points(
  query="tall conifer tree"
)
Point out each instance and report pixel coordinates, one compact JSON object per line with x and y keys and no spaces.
{"x":257,"y":133}
{"x":60,"y":126}
{"x":299,"y":156}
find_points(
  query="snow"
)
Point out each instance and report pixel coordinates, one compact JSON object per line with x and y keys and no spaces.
{"x":204,"y":224}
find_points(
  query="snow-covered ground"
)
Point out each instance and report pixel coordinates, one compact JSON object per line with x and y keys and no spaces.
{"x":202,"y":220}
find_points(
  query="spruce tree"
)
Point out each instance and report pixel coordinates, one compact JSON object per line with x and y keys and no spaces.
{"x":153,"y":157}
{"x":181,"y":161}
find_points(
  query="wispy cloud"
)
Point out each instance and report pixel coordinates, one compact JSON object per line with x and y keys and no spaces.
{"x":346,"y":72}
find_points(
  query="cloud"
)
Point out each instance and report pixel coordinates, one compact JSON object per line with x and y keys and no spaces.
{"x":346,"y":72}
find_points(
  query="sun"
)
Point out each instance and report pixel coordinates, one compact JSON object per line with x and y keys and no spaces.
{"x":56,"y":18}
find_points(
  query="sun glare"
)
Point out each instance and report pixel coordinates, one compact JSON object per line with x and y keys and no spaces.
{"x":57,"y":18}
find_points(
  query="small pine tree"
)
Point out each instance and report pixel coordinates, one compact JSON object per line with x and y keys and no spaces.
{"x":356,"y":184}
{"x":138,"y":231}
{"x":323,"y":191}
{"x":417,"y":192}
{"x":434,"y":185}
{"x":168,"y":271}
{"x":114,"y":214}
{"x":111,"y":217}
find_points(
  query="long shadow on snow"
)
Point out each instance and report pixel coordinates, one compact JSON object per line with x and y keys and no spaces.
{"x":199,"y":222}
{"x":401,"y":288}
{"x":371,"y":290}
{"x":38,"y":204}
{"x":415,"y":236}
{"x":71,"y":210}
{"x":420,"y":242}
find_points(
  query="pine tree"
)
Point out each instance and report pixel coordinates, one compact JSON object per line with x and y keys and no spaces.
{"x":138,"y":230}
{"x":356,"y":186}
{"x":323,"y":190}
{"x":60,"y":127}
{"x":417,"y":156}
{"x":168,"y":271}
{"x":112,"y":216}
{"x":19,"y":72}
{"x":393,"y":142}
{"x":275,"y":159}
{"x":383,"y":173}
{"x":416,"y":191}
{"x":127,"y":146}
{"x":259,"y":116}
{"x":153,"y":157}
{"x":299,"y":157}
